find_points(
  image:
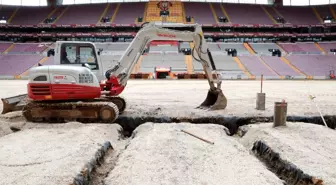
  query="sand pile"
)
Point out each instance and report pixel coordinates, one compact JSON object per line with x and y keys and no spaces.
{"x":310,"y":147}
{"x":4,"y":128}
{"x":162,"y":154}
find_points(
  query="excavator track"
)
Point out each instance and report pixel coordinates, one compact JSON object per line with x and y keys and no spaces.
{"x":117,"y":100}
{"x":86,"y":112}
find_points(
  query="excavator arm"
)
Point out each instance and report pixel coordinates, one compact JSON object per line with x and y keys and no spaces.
{"x":120,"y":73}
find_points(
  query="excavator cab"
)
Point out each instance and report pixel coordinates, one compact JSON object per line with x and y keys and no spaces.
{"x":83,"y":54}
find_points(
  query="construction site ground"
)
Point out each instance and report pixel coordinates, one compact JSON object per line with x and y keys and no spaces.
{"x":160,"y":153}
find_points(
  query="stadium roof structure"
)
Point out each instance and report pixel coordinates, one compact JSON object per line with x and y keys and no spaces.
{"x":70,"y":2}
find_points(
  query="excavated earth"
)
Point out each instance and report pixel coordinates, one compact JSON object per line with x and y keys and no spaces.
{"x":146,"y":144}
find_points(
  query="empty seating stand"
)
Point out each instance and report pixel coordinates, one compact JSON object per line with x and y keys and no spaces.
{"x":256,"y":67}
{"x":163,"y":49}
{"x":129,"y":12}
{"x":113,"y":46}
{"x":279,"y":66}
{"x":7,"y":11}
{"x":217,"y":9}
{"x":82,"y":14}
{"x":27,"y":48}
{"x":202,"y":17}
{"x":214,"y":47}
{"x":12,"y":65}
{"x":247,"y":14}
{"x":263,"y":48}
{"x":314,"y":65}
{"x":175,"y":61}
{"x":49,"y":61}
{"x":4,"y":46}
{"x":241,"y":50}
{"x":36,"y":15}
{"x":300,"y":48}
{"x":323,"y":11}
{"x":109,"y":61}
{"x":298,"y":15}
{"x":227,"y":65}
{"x":327,"y":46}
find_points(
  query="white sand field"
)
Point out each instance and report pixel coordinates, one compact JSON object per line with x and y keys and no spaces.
{"x":161,"y":153}
{"x":180,"y":97}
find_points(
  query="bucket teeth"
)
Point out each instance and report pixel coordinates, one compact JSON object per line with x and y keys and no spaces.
{"x":215,"y":100}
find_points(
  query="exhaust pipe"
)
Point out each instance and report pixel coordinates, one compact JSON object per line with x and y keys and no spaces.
{"x":14,"y":103}
{"x":215,"y":100}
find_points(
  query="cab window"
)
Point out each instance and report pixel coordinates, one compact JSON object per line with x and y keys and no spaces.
{"x":87,"y":55}
{"x":78,"y":54}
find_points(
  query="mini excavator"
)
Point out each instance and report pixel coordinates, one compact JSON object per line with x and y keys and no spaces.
{"x":77,"y":87}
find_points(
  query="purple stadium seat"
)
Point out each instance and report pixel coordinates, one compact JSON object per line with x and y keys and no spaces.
{"x":128,"y":12}
{"x":299,"y":47}
{"x":82,"y":14}
{"x":327,"y":46}
{"x":17,"y":64}
{"x":238,"y":14}
{"x":323,"y":11}
{"x":255,"y":66}
{"x":218,"y":9}
{"x":7,"y":11}
{"x":4,"y":46}
{"x":58,"y":11}
{"x":202,"y":17}
{"x":31,"y":48}
{"x":313,"y":65}
{"x":308,"y":47}
{"x":110,"y":11}
{"x":271,"y":11}
{"x":298,"y":15}
{"x":291,"y":47}
{"x":279,"y":66}
{"x":36,"y":15}
{"x":50,"y":61}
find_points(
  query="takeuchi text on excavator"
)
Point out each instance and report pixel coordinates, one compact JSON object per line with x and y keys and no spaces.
{"x":77,"y":87}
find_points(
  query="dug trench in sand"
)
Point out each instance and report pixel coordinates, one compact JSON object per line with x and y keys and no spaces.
{"x":52,"y":154}
{"x":162,"y":154}
{"x":308,"y":146}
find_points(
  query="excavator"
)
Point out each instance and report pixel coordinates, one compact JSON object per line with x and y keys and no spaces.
{"x":78,"y":88}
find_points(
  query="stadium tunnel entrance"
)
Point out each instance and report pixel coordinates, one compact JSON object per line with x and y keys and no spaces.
{"x":162,"y":72}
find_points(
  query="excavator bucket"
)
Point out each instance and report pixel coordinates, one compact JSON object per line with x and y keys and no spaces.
{"x":215,"y":100}
{"x":14,"y":103}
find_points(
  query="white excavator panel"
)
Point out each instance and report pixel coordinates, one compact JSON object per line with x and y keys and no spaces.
{"x":60,"y":74}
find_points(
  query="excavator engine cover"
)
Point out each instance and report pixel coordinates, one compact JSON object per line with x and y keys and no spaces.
{"x":215,"y":100}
